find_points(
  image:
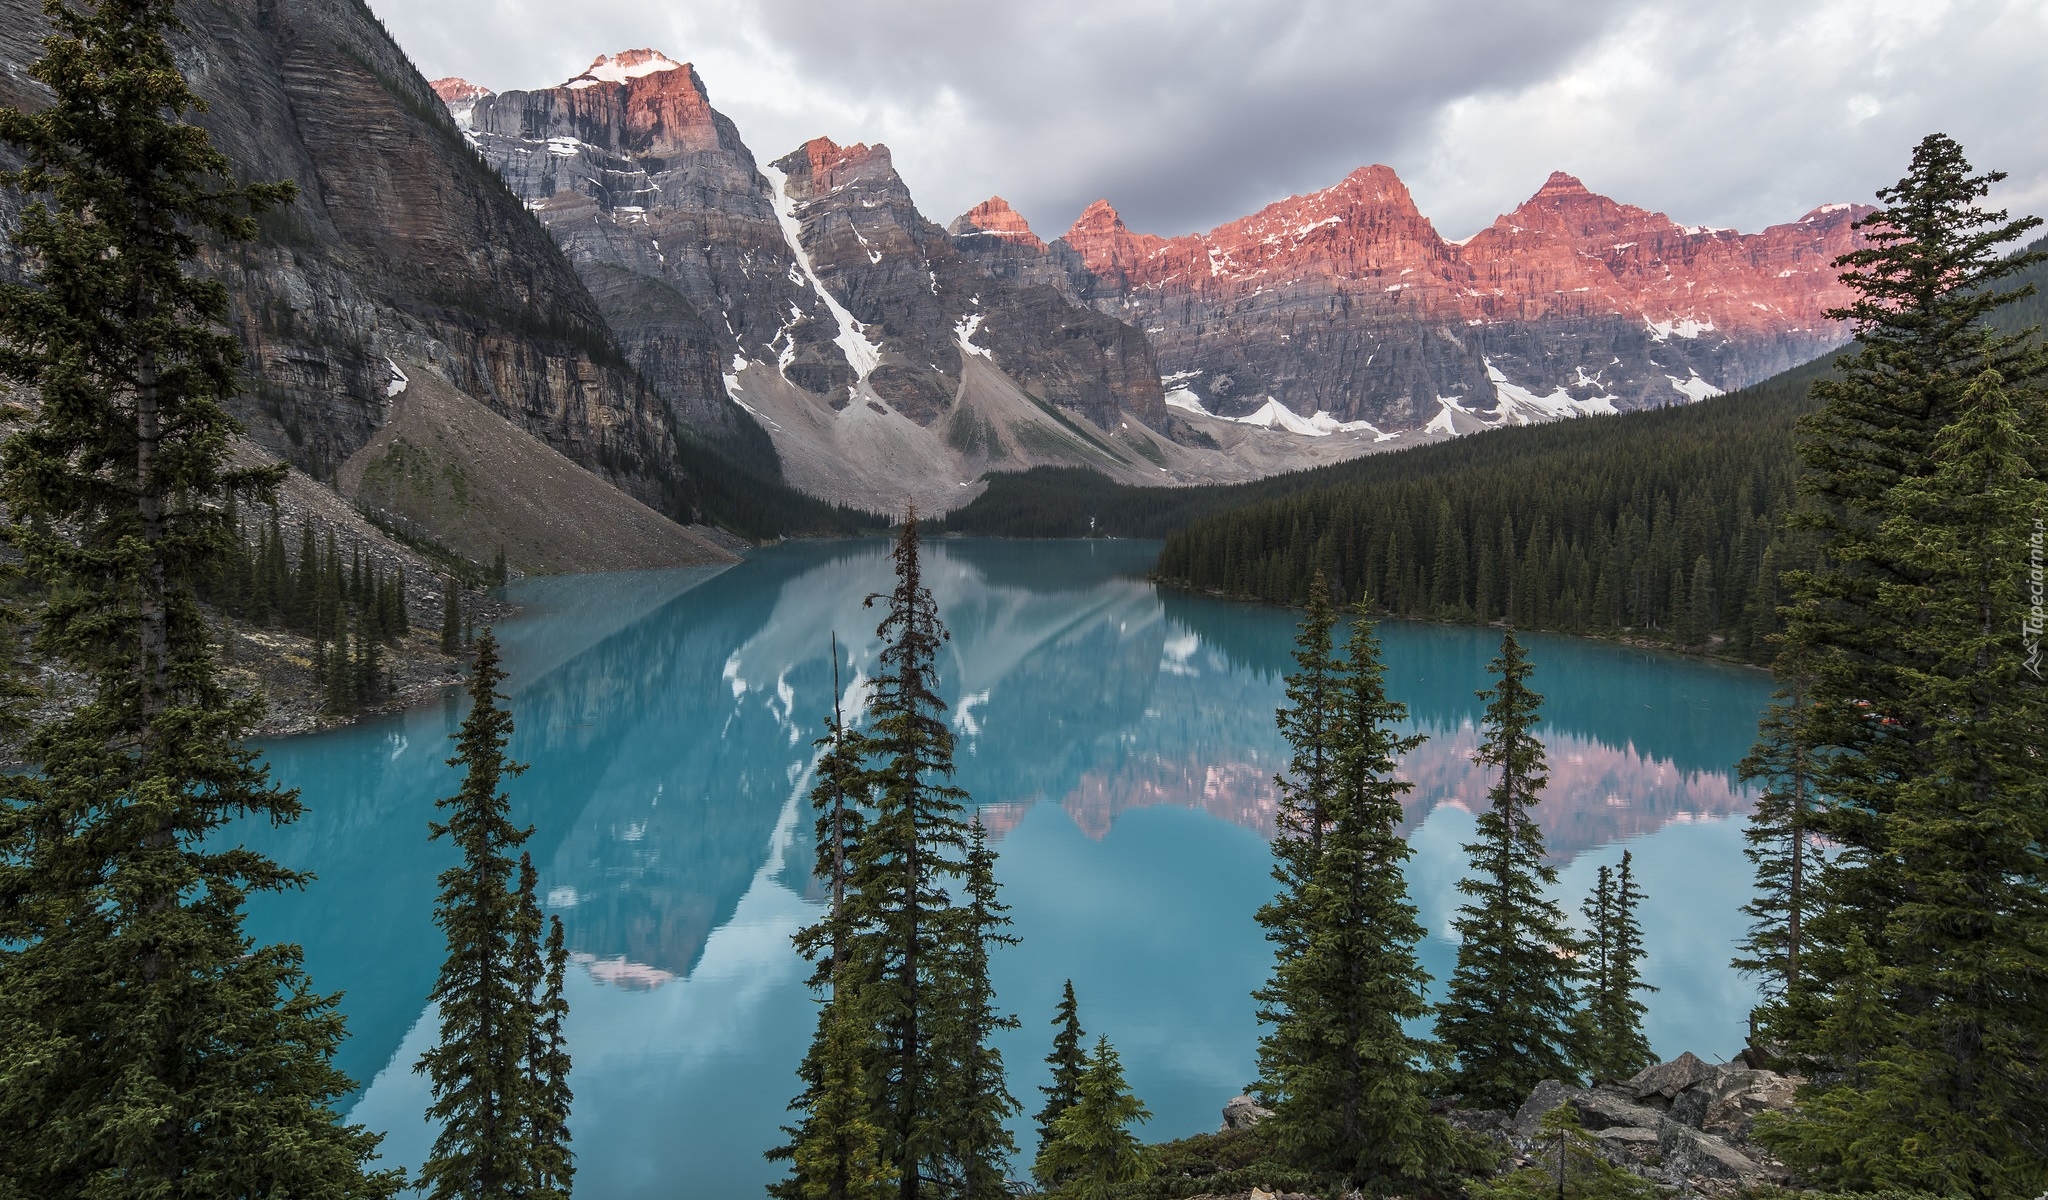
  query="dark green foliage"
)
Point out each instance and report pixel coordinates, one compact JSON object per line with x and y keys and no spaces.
{"x":1780,"y":847}
{"x":1923,"y":998}
{"x":838,"y":1155}
{"x":1508,"y":1017}
{"x":751,"y":502}
{"x":1310,"y":724}
{"x":1216,"y":1164}
{"x":1612,"y":1045}
{"x":548,"y":1064}
{"x":972,"y":1091}
{"x":499,"y":1071}
{"x":1093,"y":1150}
{"x":148,"y":1048}
{"x":1338,"y":1067}
{"x":908,"y":939}
{"x":350,"y":614}
{"x":1568,"y":1163}
{"x":1067,"y":1061}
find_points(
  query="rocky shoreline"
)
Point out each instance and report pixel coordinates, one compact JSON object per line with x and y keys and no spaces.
{"x":1686,"y":1125}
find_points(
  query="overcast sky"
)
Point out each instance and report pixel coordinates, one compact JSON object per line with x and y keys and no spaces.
{"x":1187,"y":113}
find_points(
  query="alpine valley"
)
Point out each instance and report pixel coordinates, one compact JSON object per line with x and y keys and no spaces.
{"x":603,"y":272}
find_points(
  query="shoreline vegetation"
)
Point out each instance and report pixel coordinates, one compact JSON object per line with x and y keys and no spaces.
{"x":149,"y":1047}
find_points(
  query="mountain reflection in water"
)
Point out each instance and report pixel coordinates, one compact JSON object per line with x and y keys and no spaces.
{"x":1120,"y":742}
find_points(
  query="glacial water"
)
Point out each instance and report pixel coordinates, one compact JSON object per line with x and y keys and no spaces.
{"x":1119,"y":740}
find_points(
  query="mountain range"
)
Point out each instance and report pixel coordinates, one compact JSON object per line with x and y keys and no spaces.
{"x":605,"y":270}
{"x":888,"y":358}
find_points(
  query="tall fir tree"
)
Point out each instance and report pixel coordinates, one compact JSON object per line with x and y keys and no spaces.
{"x":918,"y":914}
{"x":834,"y":1146}
{"x":1067,"y":1061}
{"x":148,"y":1048}
{"x":1309,"y":725}
{"x":1947,"y":1100}
{"x":548,"y":1068}
{"x":1612,"y":1044}
{"x":1093,"y":1150}
{"x":1338,"y":1067}
{"x":974,"y":1093}
{"x":1924,"y":282}
{"x":1922,"y":962}
{"x":1781,"y":852}
{"x":1509,"y":1014}
{"x":480,"y":1069}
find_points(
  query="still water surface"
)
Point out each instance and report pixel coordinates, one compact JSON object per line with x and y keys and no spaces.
{"x":1120,"y":742}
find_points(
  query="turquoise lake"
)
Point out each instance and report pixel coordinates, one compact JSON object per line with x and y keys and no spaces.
{"x":1118,"y":738}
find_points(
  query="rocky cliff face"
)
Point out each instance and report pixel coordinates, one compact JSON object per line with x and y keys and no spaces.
{"x":401,"y":246}
{"x":1347,"y":302}
{"x":819,"y":264}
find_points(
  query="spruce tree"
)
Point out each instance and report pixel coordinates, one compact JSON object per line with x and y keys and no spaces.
{"x":548,"y":1069}
{"x":973,"y":1092}
{"x":480,"y":1070}
{"x":1780,"y":850}
{"x":148,"y":1048}
{"x":913,"y":952}
{"x":1093,"y":1150}
{"x":1309,"y":725}
{"x":1922,"y":961}
{"x":1924,"y":282}
{"x":1612,"y":1045}
{"x":1508,"y":1016}
{"x":1067,"y":1062}
{"x":838,"y":1155}
{"x":1338,"y":1067}
{"x":830,"y":1157}
{"x":1948,"y":1099}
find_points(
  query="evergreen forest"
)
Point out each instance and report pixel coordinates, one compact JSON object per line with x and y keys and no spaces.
{"x":1867,"y":527}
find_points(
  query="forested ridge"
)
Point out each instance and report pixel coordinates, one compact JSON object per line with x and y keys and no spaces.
{"x":1667,"y":525}
{"x":1670,"y":524}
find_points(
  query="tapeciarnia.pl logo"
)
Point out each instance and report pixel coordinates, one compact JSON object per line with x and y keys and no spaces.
{"x":2037,"y":589}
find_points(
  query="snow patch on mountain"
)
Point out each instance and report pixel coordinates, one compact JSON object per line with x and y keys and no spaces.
{"x":965,"y":329}
{"x":1694,"y":389}
{"x":1524,"y":407}
{"x":861,"y":354}
{"x":618,"y":68}
{"x":1685,"y":327}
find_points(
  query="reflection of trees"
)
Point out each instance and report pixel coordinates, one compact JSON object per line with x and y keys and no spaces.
{"x":656,"y":789}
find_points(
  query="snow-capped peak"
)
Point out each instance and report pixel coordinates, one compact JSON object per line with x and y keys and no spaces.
{"x":618,"y":68}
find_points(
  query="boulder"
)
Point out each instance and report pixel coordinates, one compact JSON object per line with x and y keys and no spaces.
{"x":1598,"y":1109}
{"x":1665,"y":1080}
{"x":1727,"y":1104}
{"x":1242,"y":1112}
{"x":1546,"y":1096}
{"x":1690,"y":1156}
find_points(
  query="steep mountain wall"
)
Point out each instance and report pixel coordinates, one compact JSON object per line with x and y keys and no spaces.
{"x":403,"y":245}
{"x":819,"y":264}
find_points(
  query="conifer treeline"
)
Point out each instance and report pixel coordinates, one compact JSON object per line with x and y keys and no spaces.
{"x":1668,"y":525}
{"x":351,"y":608}
{"x":1667,"y":533}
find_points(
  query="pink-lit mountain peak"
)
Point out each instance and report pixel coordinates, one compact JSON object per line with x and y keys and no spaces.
{"x":625,"y":66}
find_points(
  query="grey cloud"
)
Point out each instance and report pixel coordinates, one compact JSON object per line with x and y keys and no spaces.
{"x":1188,"y":114}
